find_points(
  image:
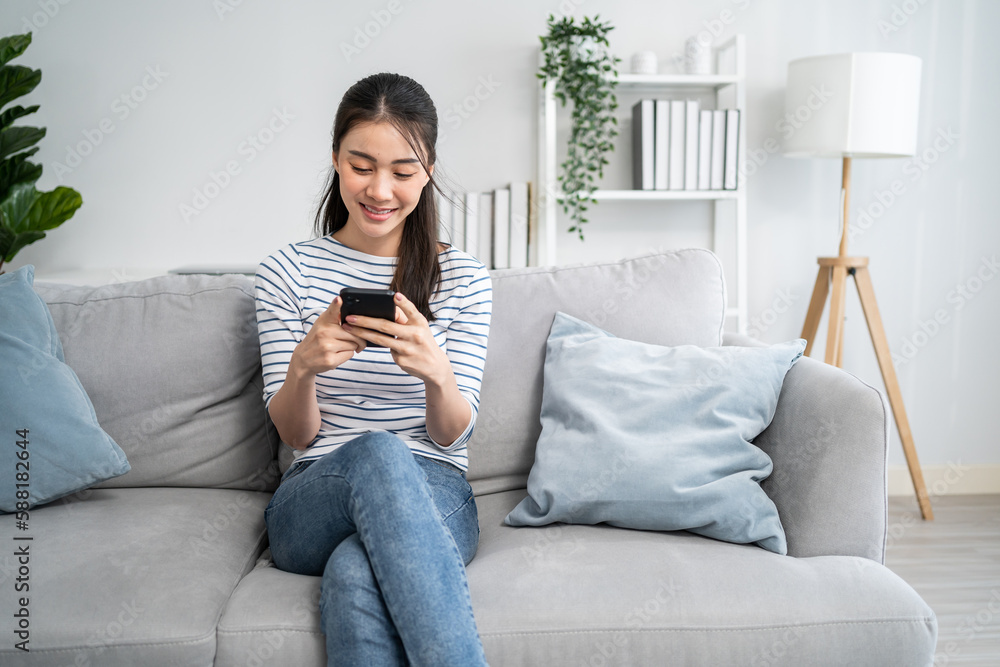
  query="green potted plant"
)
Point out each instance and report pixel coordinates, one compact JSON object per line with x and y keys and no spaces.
{"x":25,"y":213}
{"x":577,"y":57}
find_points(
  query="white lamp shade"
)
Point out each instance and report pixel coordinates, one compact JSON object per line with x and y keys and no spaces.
{"x":852,"y":105}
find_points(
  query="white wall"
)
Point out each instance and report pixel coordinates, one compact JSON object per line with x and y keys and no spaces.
{"x":223,"y":75}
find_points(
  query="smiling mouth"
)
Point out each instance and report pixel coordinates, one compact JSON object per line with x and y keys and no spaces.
{"x":378,"y":211}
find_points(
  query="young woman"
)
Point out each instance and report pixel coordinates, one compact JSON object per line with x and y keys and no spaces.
{"x":376,"y":500}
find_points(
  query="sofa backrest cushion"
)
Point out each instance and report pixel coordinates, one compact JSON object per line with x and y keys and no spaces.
{"x":172,"y":366}
{"x":670,"y":298}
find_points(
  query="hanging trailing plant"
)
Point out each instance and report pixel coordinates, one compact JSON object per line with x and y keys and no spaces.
{"x":25,"y":213}
{"x":577,"y":57}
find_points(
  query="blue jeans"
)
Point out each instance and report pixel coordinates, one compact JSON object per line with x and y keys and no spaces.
{"x":390,"y":532}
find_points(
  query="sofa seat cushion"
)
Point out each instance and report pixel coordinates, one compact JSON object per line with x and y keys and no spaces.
{"x":272,"y":619}
{"x":586,"y":595}
{"x":131,"y":576}
{"x":599,"y":595}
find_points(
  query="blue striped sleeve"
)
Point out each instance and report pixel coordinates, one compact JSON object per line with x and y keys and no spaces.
{"x":466,"y":347}
{"x":279,"y":317}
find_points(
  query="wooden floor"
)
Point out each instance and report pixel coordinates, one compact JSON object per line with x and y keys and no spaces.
{"x":953,"y":562}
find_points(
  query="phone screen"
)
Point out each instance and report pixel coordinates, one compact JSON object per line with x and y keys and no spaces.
{"x":368,"y":303}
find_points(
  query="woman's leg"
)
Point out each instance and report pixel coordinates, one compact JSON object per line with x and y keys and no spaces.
{"x":375,"y":486}
{"x":356,"y":622}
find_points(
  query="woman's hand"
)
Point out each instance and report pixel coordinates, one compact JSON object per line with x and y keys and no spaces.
{"x":414,"y":349}
{"x":294,"y":409}
{"x":326,"y":346}
{"x":409,"y":339}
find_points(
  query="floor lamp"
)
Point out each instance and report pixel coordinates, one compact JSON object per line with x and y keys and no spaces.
{"x":855,"y":105}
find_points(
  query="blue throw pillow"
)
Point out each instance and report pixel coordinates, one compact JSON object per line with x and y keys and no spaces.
{"x":655,"y":438}
{"x":52,"y":445}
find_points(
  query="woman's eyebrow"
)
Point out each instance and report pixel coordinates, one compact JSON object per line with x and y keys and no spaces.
{"x":370,"y":158}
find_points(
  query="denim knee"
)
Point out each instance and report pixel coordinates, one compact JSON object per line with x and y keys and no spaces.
{"x":379,"y":453}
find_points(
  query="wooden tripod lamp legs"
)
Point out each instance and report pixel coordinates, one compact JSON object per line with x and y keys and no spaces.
{"x":836,"y":270}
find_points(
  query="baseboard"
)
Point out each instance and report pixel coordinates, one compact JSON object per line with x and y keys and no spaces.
{"x":949,"y":479}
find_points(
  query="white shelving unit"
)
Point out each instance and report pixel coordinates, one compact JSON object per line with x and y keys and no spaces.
{"x":728,"y":91}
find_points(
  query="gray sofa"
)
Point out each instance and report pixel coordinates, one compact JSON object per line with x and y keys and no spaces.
{"x":167,"y":565}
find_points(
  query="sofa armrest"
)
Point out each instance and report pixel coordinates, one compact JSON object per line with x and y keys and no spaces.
{"x":828,"y":441}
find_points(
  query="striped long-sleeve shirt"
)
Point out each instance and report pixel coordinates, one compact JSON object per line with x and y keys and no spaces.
{"x":369,"y":392}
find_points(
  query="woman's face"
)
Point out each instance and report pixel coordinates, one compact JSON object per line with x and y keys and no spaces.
{"x":380,"y":182}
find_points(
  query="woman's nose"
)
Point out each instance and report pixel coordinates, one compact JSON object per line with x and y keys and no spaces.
{"x":379,"y":188}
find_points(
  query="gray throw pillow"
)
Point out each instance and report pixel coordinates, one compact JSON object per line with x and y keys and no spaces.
{"x":655,"y":438}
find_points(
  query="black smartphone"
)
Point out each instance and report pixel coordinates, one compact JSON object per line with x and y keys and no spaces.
{"x":369,"y":303}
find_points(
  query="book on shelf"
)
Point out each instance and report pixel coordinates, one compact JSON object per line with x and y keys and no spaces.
{"x":691,"y":117}
{"x":501,"y":228}
{"x":519,"y":212}
{"x":445,"y":231}
{"x":642,"y":145}
{"x":718,"y":158}
{"x":704,"y":149}
{"x":676,"y":167}
{"x":494,"y":226}
{"x":457,"y":205}
{"x":484,"y":247}
{"x":732,"y":144}
{"x":471,"y":223}
{"x":661,"y":148}
{"x":689,"y":148}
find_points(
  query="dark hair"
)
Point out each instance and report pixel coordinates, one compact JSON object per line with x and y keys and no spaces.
{"x":404,"y":103}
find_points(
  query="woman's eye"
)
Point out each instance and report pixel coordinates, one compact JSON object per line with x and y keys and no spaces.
{"x":360,"y":170}
{"x":404,"y":175}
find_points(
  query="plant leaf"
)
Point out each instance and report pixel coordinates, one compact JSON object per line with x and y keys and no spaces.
{"x":15,"y":139}
{"x":51,"y":209}
{"x":16,"y":242}
{"x":16,"y":81}
{"x":15,"y":207}
{"x":13,"y":46}
{"x":18,"y":170}
{"x":12,"y":114}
